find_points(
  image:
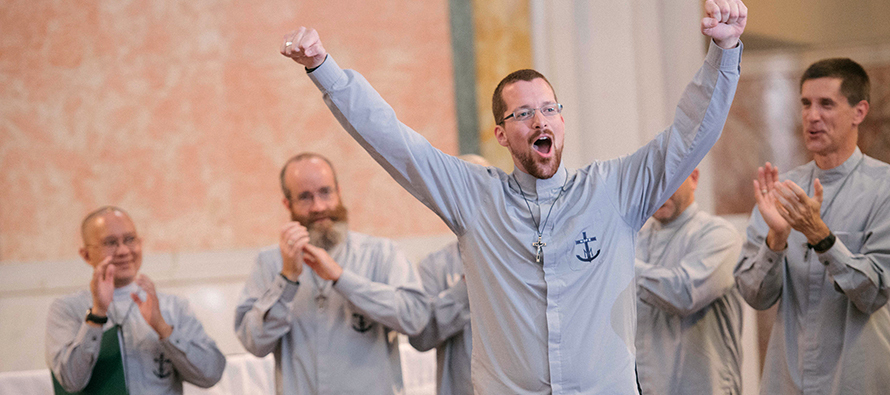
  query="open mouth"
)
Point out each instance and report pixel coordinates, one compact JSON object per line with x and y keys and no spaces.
{"x":543,"y":145}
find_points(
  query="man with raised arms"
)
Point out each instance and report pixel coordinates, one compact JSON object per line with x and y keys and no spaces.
{"x":548,"y":251}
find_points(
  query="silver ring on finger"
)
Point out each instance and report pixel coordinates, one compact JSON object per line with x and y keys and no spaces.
{"x":290,"y":242}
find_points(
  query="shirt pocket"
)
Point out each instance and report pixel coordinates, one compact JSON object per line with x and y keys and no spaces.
{"x":853,"y":240}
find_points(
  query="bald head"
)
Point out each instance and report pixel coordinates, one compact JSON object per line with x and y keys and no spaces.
{"x":89,"y":221}
{"x":306,"y":156}
{"x":679,"y":201}
{"x":109,"y":233}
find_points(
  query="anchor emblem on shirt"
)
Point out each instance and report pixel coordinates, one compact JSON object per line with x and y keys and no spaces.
{"x":359,"y":323}
{"x":587,"y":251}
{"x":162,"y":371}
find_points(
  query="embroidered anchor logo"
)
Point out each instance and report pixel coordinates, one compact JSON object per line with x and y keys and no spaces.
{"x":359,"y":323}
{"x":587,"y":251}
{"x":162,"y":373}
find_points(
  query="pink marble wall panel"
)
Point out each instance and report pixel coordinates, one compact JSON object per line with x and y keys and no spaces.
{"x":182,"y":112}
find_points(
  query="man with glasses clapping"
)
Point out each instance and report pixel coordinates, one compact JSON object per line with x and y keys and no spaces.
{"x":121,"y":336}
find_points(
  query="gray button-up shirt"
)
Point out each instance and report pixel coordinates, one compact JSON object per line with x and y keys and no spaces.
{"x":334,"y":339}
{"x":832,"y":331}
{"x":689,"y":314}
{"x":567,"y":325}
{"x":449,"y":328}
{"x":151,"y":365}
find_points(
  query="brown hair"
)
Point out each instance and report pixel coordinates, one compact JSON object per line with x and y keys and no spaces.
{"x":498,"y":105}
{"x":854,"y":80}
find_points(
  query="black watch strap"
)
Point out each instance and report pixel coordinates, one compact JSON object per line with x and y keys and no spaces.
{"x":96,"y":318}
{"x":825,"y":244}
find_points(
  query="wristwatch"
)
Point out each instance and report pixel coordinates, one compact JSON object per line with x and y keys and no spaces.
{"x":98,"y":319}
{"x":825,"y":244}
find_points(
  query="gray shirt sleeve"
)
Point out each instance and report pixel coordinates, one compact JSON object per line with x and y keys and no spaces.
{"x":654,"y":172}
{"x":398,"y":302}
{"x":703,"y":275}
{"x":450,"y":306}
{"x":194,"y":354}
{"x":262,"y":316}
{"x":407,"y":156}
{"x":72,"y":345}
{"x":863,"y":276}
{"x":758,"y":272}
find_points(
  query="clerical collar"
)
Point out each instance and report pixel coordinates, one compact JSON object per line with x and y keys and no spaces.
{"x":839,"y":172}
{"x":681,"y":219}
{"x":126,"y":290}
{"x":534,"y":187}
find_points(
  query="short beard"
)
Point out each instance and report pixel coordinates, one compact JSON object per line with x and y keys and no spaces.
{"x":538,"y":169}
{"x":326,"y":236}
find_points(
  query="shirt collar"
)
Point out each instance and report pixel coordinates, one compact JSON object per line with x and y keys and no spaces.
{"x":126,"y":290}
{"x":534,"y":187}
{"x":839,"y":172}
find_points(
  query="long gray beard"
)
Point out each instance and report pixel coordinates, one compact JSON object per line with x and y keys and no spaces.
{"x":328,"y":238}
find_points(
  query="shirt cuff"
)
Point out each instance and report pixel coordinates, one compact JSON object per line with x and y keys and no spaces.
{"x":90,"y":337}
{"x":640,"y":267}
{"x":766,"y":259}
{"x":280,"y":289}
{"x":327,"y":74}
{"x":725,"y":59}
{"x":459,"y":293}
{"x":834,"y":258}
{"x":348,"y":282}
{"x":176,"y":340}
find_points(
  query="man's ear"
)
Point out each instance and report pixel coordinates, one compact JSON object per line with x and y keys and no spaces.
{"x":501,"y":134}
{"x":85,"y":254}
{"x":286,"y":203}
{"x":693,"y":178}
{"x":860,"y":111}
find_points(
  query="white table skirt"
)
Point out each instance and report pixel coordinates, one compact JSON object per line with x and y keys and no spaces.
{"x":244,"y":375}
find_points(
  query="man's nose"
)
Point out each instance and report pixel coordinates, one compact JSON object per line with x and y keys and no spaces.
{"x":122,"y":248}
{"x":539,"y":120}
{"x":811,"y":114}
{"x":318,"y":205}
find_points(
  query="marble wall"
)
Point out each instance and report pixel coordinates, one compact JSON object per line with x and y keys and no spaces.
{"x":503,"y":45}
{"x":182,"y":112}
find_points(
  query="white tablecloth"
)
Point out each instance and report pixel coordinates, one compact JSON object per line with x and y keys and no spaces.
{"x":244,"y":375}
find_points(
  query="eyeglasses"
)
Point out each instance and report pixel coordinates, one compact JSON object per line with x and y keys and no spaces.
{"x":112,"y":244}
{"x":523,"y":114}
{"x":307,"y":198}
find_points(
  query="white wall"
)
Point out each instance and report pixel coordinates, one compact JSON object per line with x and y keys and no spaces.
{"x":619,"y":68}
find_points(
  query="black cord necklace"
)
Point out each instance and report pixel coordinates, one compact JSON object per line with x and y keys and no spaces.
{"x":539,"y":245}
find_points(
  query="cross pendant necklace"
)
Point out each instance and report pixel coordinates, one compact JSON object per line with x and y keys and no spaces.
{"x":320,"y":299}
{"x":540,"y":244}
